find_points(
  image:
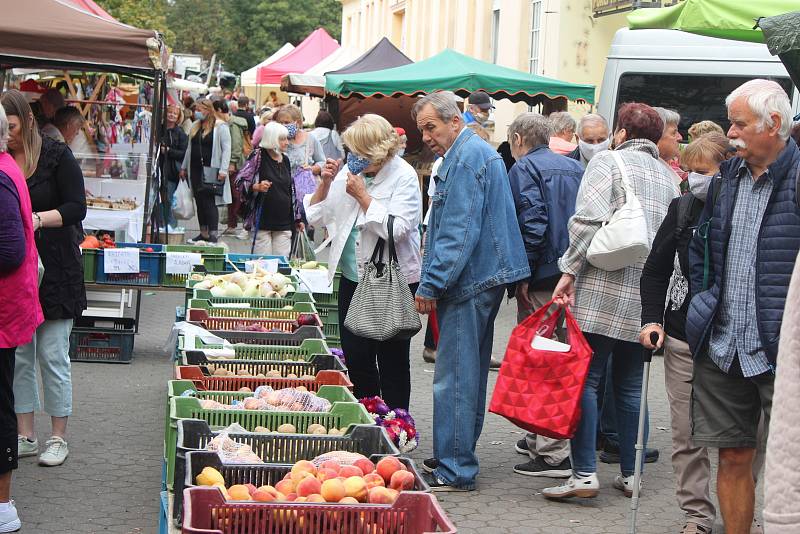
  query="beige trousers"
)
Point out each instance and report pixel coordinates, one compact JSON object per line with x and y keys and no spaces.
{"x":273,"y":243}
{"x":554,"y":451}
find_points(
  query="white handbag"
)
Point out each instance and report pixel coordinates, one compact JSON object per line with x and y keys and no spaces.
{"x":623,"y":239}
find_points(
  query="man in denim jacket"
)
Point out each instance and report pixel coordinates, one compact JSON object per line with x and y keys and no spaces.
{"x":474,"y":250}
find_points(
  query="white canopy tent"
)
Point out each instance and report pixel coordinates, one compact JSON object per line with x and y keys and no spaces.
{"x":248,"y":77}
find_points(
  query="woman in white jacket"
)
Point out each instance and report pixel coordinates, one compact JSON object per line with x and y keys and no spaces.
{"x":207,"y":157}
{"x":355,"y":204}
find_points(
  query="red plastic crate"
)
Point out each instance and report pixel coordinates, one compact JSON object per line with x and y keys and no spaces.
{"x":207,"y":382}
{"x":235,"y":323}
{"x":207,"y":512}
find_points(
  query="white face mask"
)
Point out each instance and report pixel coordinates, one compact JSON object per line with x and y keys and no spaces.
{"x":698,"y":185}
{"x":588,"y":151}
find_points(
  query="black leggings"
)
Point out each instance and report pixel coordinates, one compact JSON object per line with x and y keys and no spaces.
{"x":8,"y":418}
{"x":375,"y":367}
{"x":207,"y":212}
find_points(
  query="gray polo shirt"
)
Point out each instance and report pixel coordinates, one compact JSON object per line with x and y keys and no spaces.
{"x":735,"y":329}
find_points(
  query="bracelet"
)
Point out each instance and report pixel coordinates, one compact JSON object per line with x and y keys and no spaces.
{"x":651,"y":324}
{"x":38,"y":218}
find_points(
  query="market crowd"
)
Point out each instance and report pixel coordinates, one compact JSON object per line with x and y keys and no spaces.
{"x":719,"y":217}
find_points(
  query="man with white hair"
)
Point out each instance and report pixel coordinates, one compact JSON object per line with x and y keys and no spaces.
{"x":741,"y":259}
{"x":561,"y":142}
{"x":593,"y":138}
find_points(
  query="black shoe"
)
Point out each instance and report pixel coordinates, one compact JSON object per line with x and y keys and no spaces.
{"x":212,"y":239}
{"x":494,"y":364}
{"x":540,"y":468}
{"x":430,"y":465}
{"x":437,"y":484}
{"x":196,"y":239}
{"x":521,"y":446}
{"x":429,"y":355}
{"x":611,"y":455}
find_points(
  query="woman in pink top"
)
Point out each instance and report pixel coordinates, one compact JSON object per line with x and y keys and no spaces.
{"x":20,"y":311}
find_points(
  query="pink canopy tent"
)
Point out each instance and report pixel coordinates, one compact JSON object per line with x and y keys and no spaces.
{"x":316,"y":47}
{"x":91,"y":7}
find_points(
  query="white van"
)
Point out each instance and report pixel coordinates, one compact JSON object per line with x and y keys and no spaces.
{"x":689,"y":73}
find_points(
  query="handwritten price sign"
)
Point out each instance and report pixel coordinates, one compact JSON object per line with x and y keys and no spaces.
{"x":121,"y":260}
{"x":182,"y":262}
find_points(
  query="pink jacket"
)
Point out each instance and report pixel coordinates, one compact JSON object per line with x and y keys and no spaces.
{"x":20,"y":311}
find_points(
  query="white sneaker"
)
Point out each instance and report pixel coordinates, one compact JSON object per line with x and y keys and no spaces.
{"x":55,"y":452}
{"x":625,"y":485}
{"x":242,"y":234}
{"x":26,"y":447}
{"x":9,"y":519}
{"x":575,"y":486}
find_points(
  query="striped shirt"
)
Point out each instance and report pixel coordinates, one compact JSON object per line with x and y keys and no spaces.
{"x":735,"y":328}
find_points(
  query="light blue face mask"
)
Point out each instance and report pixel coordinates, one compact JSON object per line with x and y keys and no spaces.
{"x":357,"y":164}
{"x":292,"y":129}
{"x":199,"y":115}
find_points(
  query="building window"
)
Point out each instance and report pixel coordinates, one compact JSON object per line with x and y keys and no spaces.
{"x":534,"y":63}
{"x":495,"y":32}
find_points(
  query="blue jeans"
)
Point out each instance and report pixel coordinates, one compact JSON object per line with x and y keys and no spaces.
{"x":466,"y":332}
{"x":627,"y":391}
{"x":608,"y":412}
{"x":171,"y":187}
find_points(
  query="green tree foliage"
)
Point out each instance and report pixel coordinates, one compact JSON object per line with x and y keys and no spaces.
{"x":148,"y":14}
{"x":244,"y":32}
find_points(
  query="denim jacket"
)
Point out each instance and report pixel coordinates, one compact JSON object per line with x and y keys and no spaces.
{"x":473,"y":240}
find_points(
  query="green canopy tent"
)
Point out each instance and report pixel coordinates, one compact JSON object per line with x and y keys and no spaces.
{"x":741,"y":21}
{"x":461,"y":74}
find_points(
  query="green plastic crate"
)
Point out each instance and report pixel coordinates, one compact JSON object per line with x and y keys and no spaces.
{"x":324,"y":298}
{"x":342,"y":414}
{"x":221,"y":310}
{"x":255,"y":302}
{"x":213,"y":260}
{"x":329,"y":315}
{"x":311,"y":366}
{"x":89,"y":264}
{"x":302,"y":352}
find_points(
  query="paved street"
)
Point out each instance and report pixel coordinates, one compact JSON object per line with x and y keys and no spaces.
{"x":111,"y":481}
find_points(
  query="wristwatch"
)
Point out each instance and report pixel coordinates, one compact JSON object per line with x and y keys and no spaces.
{"x":38,"y":218}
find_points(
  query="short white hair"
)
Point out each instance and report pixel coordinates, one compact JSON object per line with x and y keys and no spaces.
{"x":273,"y":133}
{"x":669,"y":117}
{"x":591,"y":118}
{"x":765,"y":97}
{"x":562,"y":122}
{"x":3,"y":130}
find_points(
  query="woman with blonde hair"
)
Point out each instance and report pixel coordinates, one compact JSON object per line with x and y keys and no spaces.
{"x":207,"y":159}
{"x":58,"y":200}
{"x":355,"y":203}
{"x":276,"y":204}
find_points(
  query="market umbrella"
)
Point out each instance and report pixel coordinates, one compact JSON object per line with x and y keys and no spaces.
{"x":452,"y":71}
{"x":782,"y":34}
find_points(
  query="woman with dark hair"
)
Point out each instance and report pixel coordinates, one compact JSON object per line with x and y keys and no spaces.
{"x":325,"y":132}
{"x":606,"y":303}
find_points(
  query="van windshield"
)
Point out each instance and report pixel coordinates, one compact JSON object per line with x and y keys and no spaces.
{"x":695,"y":97}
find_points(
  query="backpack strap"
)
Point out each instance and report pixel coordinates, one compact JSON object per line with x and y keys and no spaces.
{"x":686,"y":205}
{"x":704,"y":229}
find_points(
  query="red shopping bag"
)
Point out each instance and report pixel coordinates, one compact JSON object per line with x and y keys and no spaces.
{"x":540,"y":390}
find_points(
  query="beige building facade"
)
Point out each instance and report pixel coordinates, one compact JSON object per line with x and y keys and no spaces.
{"x":554,"y":38}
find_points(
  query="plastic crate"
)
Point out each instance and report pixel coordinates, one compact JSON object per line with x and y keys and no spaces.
{"x":89,"y":264}
{"x":207,"y":512}
{"x":313,"y":365}
{"x":300,"y":352}
{"x":206,"y":382}
{"x":331,"y":299}
{"x":294,"y":339}
{"x":255,"y":302}
{"x":100,"y":339}
{"x":341,"y":415}
{"x":329,"y":315}
{"x":150,"y":266}
{"x":241,"y":325}
{"x":213,"y":260}
{"x":239,"y":260}
{"x":237,"y":311}
{"x":163,"y":516}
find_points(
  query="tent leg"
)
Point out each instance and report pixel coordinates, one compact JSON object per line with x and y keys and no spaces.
{"x":2,"y":79}
{"x":155,"y":138}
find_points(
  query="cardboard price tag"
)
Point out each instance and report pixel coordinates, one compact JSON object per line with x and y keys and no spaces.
{"x":315,"y":281}
{"x":121,"y":260}
{"x":182,"y":262}
{"x":271,"y":266}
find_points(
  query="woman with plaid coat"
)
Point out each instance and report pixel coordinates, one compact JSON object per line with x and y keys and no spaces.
{"x":606,"y":304}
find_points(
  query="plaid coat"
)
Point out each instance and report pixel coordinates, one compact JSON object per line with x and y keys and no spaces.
{"x":607,"y":302}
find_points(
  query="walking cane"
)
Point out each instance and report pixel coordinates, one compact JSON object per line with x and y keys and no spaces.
{"x":647,"y":356}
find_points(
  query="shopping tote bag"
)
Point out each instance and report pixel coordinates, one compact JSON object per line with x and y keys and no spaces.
{"x":539,"y":389}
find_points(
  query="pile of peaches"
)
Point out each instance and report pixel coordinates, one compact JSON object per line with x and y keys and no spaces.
{"x":361,"y":482}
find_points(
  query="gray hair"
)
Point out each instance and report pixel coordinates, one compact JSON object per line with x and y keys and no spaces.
{"x":3,"y":130}
{"x":533,"y":128}
{"x":562,"y":122}
{"x":591,"y":118}
{"x":669,"y":117}
{"x":272,"y":135}
{"x":443,"y":102}
{"x":765,"y":97}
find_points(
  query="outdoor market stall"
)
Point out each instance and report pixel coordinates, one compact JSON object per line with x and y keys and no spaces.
{"x":248,"y":78}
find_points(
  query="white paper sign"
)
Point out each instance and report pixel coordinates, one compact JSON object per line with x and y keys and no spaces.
{"x":182,"y":262}
{"x":120,"y":260}
{"x":271,"y":266}
{"x":315,"y":281}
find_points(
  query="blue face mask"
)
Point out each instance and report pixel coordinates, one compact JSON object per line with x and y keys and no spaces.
{"x":198,"y":115}
{"x":357,"y":164}
{"x":292,"y":128}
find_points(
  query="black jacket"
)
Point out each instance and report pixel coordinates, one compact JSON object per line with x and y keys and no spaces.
{"x":249,"y":117}
{"x":58,"y":184}
{"x":170,"y":162}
